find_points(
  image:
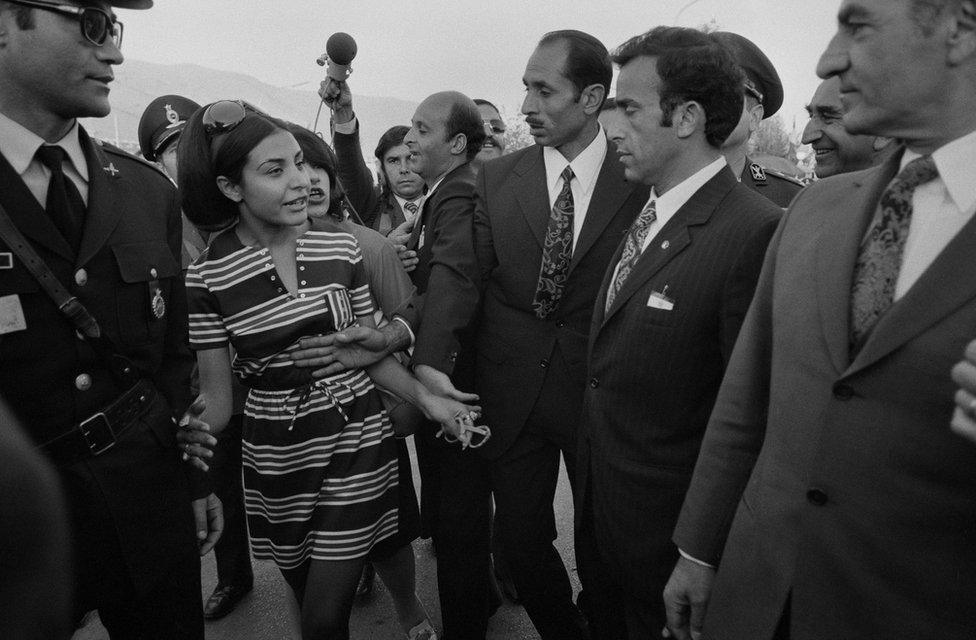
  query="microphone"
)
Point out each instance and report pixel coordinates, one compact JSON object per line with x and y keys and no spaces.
{"x":339,"y":52}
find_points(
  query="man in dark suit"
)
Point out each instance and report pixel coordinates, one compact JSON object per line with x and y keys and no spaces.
{"x":830,"y":491}
{"x":665,"y":320}
{"x":763,"y":98}
{"x":107,"y":225}
{"x":548,"y":218}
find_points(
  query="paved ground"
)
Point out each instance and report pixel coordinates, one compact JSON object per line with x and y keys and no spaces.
{"x":268,"y":613}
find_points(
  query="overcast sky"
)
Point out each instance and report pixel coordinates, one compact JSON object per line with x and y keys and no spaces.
{"x":410,"y":49}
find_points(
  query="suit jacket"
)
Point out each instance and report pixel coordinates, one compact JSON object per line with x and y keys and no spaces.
{"x":835,"y":481}
{"x":654,"y":373}
{"x":515,"y":349}
{"x":447,"y":268}
{"x":130,"y":247}
{"x":369,"y":201}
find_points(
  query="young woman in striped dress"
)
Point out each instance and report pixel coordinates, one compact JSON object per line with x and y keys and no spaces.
{"x":320,"y":463}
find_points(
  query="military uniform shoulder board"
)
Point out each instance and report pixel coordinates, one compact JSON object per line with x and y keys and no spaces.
{"x":113,"y":169}
{"x":757,"y":172}
{"x":785,"y":176}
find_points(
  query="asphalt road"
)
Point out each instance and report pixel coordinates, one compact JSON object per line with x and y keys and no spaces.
{"x":268,"y":612}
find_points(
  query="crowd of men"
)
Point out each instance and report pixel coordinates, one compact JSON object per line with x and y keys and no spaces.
{"x":767,"y":417}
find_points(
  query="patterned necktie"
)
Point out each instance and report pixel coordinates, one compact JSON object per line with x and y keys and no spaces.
{"x":411,"y":208}
{"x":879,"y":259}
{"x":64,"y":203}
{"x":557,"y":251}
{"x":632,"y":249}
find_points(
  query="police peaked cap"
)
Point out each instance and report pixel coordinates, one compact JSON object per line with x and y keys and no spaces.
{"x":759,"y":71}
{"x":162,"y":122}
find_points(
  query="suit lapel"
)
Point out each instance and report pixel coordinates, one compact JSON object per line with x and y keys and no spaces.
{"x":103,"y":211}
{"x":673,"y":238}
{"x":609,"y":194}
{"x":946,"y":285}
{"x":27,"y":214}
{"x":532,"y":193}
{"x":849,"y":213}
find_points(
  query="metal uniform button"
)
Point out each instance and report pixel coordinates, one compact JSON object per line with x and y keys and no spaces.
{"x":83,"y":382}
{"x":154,"y":273}
{"x":81,"y":277}
{"x":594,"y":383}
{"x":304,"y":283}
{"x":817,"y":497}
{"x":560,"y":324}
{"x":544,"y":363}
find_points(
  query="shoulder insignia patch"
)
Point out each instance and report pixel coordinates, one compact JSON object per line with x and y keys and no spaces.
{"x":758,"y":173}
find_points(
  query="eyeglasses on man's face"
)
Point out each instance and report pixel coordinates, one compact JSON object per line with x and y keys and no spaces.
{"x":97,"y":25}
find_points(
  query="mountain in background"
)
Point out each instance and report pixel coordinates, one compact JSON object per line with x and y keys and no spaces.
{"x":137,"y":83}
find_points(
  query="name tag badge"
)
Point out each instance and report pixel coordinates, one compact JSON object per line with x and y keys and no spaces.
{"x":11,"y":315}
{"x":659,"y":300}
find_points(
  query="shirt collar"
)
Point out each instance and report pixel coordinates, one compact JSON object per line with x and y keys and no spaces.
{"x":418,"y":200}
{"x":956,"y":162}
{"x":586,"y":166}
{"x":20,"y":144}
{"x":676,"y":197}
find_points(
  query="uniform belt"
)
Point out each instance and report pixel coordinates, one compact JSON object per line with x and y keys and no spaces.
{"x":98,"y":433}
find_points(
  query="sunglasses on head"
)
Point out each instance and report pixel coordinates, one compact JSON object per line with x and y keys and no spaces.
{"x":97,"y":25}
{"x":494,"y":127}
{"x":222,"y":116}
{"x":753,"y":90}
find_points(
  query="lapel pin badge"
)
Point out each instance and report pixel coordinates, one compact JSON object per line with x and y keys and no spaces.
{"x":666,"y":244}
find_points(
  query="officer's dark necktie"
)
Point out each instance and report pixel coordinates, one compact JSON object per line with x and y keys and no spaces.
{"x":557,"y":251}
{"x":64,"y":203}
{"x":880,"y":256}
{"x":633,"y":247}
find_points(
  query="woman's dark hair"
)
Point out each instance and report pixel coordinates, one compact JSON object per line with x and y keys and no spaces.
{"x":201,"y":160}
{"x":320,"y":155}
{"x":392,"y":138}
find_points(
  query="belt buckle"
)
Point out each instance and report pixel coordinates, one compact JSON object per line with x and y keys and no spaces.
{"x":94,"y":423}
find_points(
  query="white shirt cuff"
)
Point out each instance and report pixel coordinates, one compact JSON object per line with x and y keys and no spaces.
{"x":347,"y":128}
{"x":695,"y":560}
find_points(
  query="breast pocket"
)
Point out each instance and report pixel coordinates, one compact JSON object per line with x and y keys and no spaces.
{"x":142,"y":301}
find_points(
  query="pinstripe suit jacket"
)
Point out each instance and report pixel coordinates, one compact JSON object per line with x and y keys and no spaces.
{"x":653,"y":373}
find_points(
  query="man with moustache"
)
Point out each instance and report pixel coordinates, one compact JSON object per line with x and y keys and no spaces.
{"x":494,"y":145}
{"x":548,"y":218}
{"x":98,"y":392}
{"x":763,"y":98}
{"x":831,"y":494}
{"x":666,"y":318}
{"x":836,"y":150}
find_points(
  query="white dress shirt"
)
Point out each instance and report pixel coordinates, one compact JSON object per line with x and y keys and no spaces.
{"x":19,"y":145}
{"x":940,"y":208}
{"x":586,"y":169}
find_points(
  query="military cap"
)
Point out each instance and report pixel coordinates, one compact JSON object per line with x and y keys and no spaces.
{"x":162,"y":121}
{"x":761,"y":76}
{"x":131,"y":4}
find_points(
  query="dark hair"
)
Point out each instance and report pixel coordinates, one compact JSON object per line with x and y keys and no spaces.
{"x":203,"y":202}
{"x":693,"y":66}
{"x":465,"y":118}
{"x":392,"y":138}
{"x":319,"y":155}
{"x":482,"y":102}
{"x":23,"y":16}
{"x":587,"y":59}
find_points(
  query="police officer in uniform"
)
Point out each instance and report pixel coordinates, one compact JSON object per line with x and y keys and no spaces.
{"x":763,"y":98}
{"x":101,"y":394}
{"x":159,"y":131}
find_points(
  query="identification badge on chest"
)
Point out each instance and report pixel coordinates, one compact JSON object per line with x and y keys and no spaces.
{"x":157,"y":305}
{"x":422,"y":237}
{"x":11,"y":315}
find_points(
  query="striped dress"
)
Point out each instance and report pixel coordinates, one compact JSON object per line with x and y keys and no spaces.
{"x":319,"y":458}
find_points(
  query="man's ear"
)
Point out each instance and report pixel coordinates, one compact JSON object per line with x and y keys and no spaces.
{"x":880,"y":142}
{"x":962,"y":33}
{"x":229,"y":189}
{"x":688,"y":117}
{"x":459,"y":144}
{"x":756,"y":113}
{"x":591,"y":98}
